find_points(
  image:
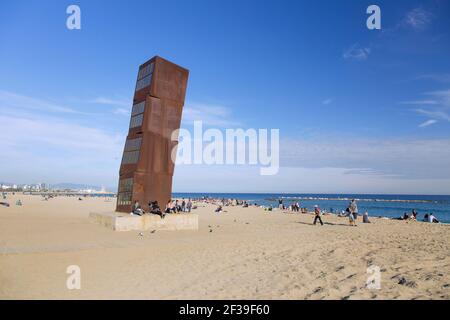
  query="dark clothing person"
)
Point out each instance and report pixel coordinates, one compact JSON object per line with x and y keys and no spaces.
{"x":317,"y":216}
{"x":280,"y":204}
{"x":155,"y":209}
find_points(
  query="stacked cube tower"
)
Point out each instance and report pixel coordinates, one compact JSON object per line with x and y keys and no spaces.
{"x":147,"y":166}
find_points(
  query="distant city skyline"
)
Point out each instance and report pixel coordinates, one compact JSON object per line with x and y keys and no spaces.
{"x":359,"y":111}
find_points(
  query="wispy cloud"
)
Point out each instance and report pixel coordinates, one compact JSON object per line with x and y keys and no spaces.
{"x":420,"y":102}
{"x":212,"y":115}
{"x":18,"y":101}
{"x":122,"y":111}
{"x":417,"y":19}
{"x":111,"y":101}
{"x":434,"y":114}
{"x":437,"y":77}
{"x":327,"y":101}
{"x":442,"y":95}
{"x":42,"y":140}
{"x":435,"y":109}
{"x":427,"y":123}
{"x":52,"y":149}
{"x":356,"y":52}
{"x":406,"y":157}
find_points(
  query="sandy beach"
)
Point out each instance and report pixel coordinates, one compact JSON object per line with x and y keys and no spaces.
{"x":244,"y":253}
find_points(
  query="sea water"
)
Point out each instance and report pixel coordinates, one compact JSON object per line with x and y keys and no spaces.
{"x":377,"y":205}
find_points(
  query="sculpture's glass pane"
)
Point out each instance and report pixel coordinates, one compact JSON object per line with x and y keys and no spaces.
{"x":136,"y":121}
{"x":133,"y":144}
{"x":130,"y":157}
{"x":138,"y":108}
{"x":144,"y":82}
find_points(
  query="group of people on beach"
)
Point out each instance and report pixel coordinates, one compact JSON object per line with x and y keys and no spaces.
{"x":428,"y":217}
{"x":351,"y":212}
{"x":177,"y":207}
{"x":172,"y":206}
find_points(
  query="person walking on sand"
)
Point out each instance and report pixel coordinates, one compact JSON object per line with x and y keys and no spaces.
{"x":317,"y":215}
{"x":351,"y":217}
{"x":354,"y":209}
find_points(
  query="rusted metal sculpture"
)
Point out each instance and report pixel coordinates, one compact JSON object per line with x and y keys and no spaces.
{"x":147,"y":168}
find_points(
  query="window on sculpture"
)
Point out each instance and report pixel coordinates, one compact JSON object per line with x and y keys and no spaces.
{"x":136,"y":121}
{"x":130,"y":157}
{"x":125,"y":192}
{"x":144,"y":82}
{"x":133,"y":144}
{"x":145,"y":71}
{"x":138,"y":108}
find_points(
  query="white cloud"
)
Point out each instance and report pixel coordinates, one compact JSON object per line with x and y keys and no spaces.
{"x":417,"y":19}
{"x":438,"y":107}
{"x":427,"y":123}
{"x":442,"y":95}
{"x":434,"y":114}
{"x":42,"y":141}
{"x":211,"y":115}
{"x":299,"y":180}
{"x":54,"y":150}
{"x":122,"y":111}
{"x":405,"y":158}
{"x":356,"y":52}
{"x":111,"y":102}
{"x":17,"y":101}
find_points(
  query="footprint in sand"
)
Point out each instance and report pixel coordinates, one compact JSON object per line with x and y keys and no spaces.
{"x":339,"y":268}
{"x":318,"y":289}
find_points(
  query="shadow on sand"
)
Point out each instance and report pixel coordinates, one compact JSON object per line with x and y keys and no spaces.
{"x":325,"y":223}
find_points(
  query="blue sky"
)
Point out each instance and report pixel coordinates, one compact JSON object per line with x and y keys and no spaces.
{"x":358,"y":110}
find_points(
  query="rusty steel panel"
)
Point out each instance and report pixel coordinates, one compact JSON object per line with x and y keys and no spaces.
{"x":147,"y":169}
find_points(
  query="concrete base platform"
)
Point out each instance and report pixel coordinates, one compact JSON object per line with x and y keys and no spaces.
{"x":125,"y":222}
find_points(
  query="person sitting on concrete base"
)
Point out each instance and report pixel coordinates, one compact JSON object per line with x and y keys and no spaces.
{"x":155,"y":209}
{"x":170,"y":208}
{"x":137,"y":210}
